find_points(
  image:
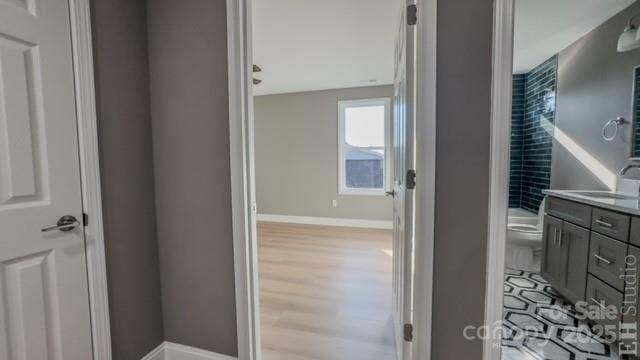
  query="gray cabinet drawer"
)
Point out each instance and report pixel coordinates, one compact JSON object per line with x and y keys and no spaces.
{"x":607,"y":259}
{"x":600,"y":294}
{"x":633,"y":284}
{"x":634,"y":234}
{"x":570,"y":211}
{"x":631,"y":298}
{"x":610,"y":223}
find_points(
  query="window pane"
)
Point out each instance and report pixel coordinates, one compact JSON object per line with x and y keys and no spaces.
{"x":364,"y":147}
{"x":364,"y":126}
{"x":364,"y":170}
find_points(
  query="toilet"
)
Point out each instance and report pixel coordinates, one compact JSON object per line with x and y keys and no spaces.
{"x":524,"y":241}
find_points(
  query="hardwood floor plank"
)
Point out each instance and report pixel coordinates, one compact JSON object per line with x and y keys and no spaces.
{"x":325,"y":293}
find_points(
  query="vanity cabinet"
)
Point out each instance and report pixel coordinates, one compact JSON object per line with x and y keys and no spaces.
{"x":552,"y":253}
{"x":607,"y":259}
{"x":610,"y":223}
{"x":632,"y":297}
{"x":600,"y":295}
{"x":631,"y":300}
{"x":634,"y":235}
{"x":585,"y":254}
{"x":564,"y":262}
{"x":570,"y":211}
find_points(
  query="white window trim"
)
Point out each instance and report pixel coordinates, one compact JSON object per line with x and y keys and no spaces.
{"x":342,"y":106}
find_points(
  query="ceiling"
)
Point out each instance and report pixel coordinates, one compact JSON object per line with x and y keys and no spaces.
{"x":544,"y":27}
{"x":304,"y":45}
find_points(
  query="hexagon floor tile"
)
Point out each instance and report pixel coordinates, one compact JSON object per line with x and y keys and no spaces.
{"x":515,"y":303}
{"x":554,"y":333}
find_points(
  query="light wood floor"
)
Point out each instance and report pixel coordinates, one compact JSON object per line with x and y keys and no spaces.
{"x":325,"y":293}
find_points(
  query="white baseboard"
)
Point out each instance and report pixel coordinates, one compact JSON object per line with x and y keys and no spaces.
{"x":155,"y":354}
{"x":309,"y":220}
{"x":172,"y":351}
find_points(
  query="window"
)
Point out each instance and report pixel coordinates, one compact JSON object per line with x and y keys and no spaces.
{"x":363,"y":146}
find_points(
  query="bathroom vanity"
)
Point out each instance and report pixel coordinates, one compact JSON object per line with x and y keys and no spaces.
{"x":591,"y":243}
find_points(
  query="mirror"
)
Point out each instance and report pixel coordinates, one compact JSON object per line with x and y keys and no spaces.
{"x":635,"y":115}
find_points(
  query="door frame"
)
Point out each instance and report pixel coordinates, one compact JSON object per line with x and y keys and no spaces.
{"x":501,"y":87}
{"x":241,"y":144}
{"x":241,"y":129}
{"x":82,"y":54}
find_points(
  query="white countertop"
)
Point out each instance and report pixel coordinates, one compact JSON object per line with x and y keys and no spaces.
{"x":628,"y":206}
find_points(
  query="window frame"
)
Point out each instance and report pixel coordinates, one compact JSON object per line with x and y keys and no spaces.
{"x":343,"y":105}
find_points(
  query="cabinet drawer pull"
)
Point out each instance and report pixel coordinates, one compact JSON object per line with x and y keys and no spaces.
{"x":604,"y":223}
{"x":598,"y":303}
{"x":603,"y":259}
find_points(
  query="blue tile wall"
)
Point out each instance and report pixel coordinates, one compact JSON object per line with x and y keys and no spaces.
{"x":636,"y":112}
{"x":517,"y":133}
{"x":537,"y":123}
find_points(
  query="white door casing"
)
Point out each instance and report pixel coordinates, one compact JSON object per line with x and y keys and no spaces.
{"x":502,"y":70}
{"x":242,"y":159}
{"x":44,"y":300}
{"x":403,"y":145}
{"x":241,"y":127}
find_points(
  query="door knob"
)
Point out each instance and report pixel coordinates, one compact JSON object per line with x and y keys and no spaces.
{"x":390,"y":193}
{"x":66,"y":223}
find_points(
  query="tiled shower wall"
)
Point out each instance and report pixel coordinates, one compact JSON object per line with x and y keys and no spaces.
{"x":534,"y":107}
{"x":636,"y":111}
{"x":517,"y":132}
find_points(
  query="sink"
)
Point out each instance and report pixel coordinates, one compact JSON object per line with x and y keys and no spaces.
{"x":605,"y":195}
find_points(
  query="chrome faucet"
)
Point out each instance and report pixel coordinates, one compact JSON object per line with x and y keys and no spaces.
{"x":624,"y":170}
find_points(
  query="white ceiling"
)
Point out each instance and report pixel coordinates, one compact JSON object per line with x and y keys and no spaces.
{"x":304,"y":45}
{"x":544,"y":27}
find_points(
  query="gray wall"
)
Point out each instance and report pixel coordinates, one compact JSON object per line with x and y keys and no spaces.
{"x":297,"y":156}
{"x":187,"y":53}
{"x":124,"y":124}
{"x":462,"y":174}
{"x":189,"y":106}
{"x":594,"y":85}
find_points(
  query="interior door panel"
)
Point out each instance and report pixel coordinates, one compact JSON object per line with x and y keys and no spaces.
{"x":44,"y":306}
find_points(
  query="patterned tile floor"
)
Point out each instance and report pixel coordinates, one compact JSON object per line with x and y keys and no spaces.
{"x":539,"y":326}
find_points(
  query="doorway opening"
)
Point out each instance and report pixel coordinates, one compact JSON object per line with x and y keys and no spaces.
{"x":332,"y":142}
{"x":568,"y":288}
{"x":413,"y":66}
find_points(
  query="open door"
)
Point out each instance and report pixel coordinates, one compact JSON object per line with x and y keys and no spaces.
{"x":404,"y":180}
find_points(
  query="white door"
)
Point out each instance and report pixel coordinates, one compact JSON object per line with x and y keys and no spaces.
{"x":44,"y":306}
{"x":403,"y":193}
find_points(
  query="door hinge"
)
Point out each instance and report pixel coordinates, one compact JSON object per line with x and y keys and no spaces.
{"x":408,"y":332}
{"x":412,"y":14}
{"x":85,"y":219}
{"x":411,"y":179}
